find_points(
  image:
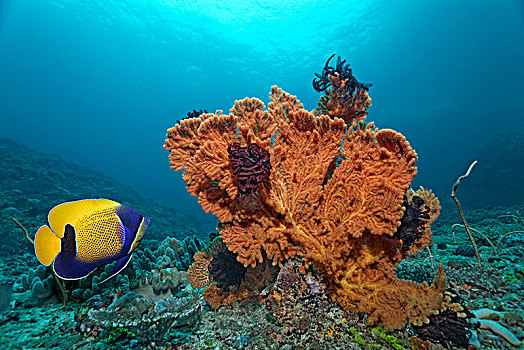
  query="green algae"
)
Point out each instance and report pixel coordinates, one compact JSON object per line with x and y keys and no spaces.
{"x":118,"y":334}
{"x":390,"y":339}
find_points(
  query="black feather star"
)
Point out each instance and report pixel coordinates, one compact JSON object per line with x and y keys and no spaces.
{"x":344,"y":72}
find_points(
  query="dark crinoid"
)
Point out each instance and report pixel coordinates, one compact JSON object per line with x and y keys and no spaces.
{"x":213,"y":235}
{"x":412,"y":223}
{"x":446,"y":328}
{"x":450,"y":328}
{"x":226,"y":271}
{"x":250,"y":166}
{"x":344,"y":73}
{"x":195,"y":113}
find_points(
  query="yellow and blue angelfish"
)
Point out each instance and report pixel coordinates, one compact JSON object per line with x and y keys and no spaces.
{"x":86,"y":234}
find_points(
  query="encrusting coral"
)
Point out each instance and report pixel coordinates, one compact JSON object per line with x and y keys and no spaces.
{"x":224,"y":280}
{"x":333,"y":196}
{"x":161,"y":322}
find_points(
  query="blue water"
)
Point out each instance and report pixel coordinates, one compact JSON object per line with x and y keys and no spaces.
{"x":99,"y":82}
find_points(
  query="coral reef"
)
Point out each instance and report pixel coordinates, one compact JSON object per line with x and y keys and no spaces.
{"x":496,"y":286}
{"x":151,"y":293}
{"x":334,"y":197}
{"x":144,"y":323}
{"x":156,"y":274}
{"x":295,"y":297}
{"x":465,"y":250}
{"x":322,"y":325}
{"x":516,"y":239}
{"x":318,"y":237}
{"x":479,"y":281}
{"x":419,"y":274}
{"x":6,"y":292}
{"x":496,"y":328}
{"x":170,"y":253}
{"x":40,"y":282}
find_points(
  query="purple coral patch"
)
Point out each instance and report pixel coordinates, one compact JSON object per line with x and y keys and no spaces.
{"x":250,"y":166}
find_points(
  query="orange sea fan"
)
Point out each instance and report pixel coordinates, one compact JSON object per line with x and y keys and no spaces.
{"x":282,"y":103}
{"x":242,"y":239}
{"x":333,"y":198}
{"x":246,"y":107}
{"x":370,"y":286}
{"x":352,"y":109}
{"x":254,"y":125}
{"x":365,"y":192}
{"x":183,"y":142}
{"x":251,"y":239}
{"x":205,"y":162}
{"x":200,"y":147}
{"x":303,"y":152}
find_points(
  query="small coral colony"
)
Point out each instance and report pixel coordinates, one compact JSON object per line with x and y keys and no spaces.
{"x":323,"y":190}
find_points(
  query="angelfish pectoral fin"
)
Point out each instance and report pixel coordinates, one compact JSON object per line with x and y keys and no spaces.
{"x":120,"y":265}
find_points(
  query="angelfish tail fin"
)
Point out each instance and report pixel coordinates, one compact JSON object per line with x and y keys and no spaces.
{"x":47,"y":245}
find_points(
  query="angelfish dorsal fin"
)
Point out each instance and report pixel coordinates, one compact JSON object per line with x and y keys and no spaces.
{"x":75,"y":212}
